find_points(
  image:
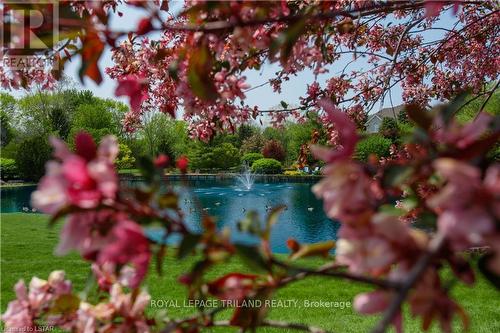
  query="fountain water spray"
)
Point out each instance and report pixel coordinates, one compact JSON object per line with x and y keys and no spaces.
{"x":246,"y":177}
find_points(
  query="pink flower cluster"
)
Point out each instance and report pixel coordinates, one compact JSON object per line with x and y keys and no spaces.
{"x":468,"y":205}
{"x":30,"y":304}
{"x":86,"y":184}
{"x":85,"y":179}
{"x":52,"y":303}
{"x":465,"y":201}
{"x":122,"y":313}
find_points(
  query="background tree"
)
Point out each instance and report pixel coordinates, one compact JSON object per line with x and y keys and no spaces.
{"x":6,"y":130}
{"x":389,"y":129}
{"x":32,"y":155}
{"x":98,"y":118}
{"x":244,"y":132}
{"x":253,"y":144}
{"x":161,"y":135}
{"x":274,"y":149}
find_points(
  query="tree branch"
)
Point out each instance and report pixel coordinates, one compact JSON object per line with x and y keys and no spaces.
{"x":332,"y":270}
{"x":434,"y":247}
{"x":487,"y":99}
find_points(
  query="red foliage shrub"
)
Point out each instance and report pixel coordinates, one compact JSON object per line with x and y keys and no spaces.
{"x":274,"y":149}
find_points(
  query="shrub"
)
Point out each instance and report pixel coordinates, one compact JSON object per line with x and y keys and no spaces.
{"x":33,"y":153}
{"x":294,"y":173}
{"x":374,"y":144}
{"x":253,"y":144}
{"x":10,"y":150}
{"x":249,"y":158}
{"x":8,"y":168}
{"x":389,"y":129}
{"x":224,"y":156}
{"x":125,"y":159}
{"x":266,"y":166}
{"x":274,"y":149}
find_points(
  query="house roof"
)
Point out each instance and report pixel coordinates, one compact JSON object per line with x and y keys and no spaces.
{"x":387,"y":112}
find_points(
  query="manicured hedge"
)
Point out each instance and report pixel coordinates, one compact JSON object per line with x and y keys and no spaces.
{"x":249,"y":158}
{"x":267,"y":166}
{"x":374,"y":144}
{"x":8,"y":168}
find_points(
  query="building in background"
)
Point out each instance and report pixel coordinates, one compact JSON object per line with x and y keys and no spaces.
{"x":375,"y":120}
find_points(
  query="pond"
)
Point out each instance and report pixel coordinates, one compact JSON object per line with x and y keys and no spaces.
{"x":229,"y":202}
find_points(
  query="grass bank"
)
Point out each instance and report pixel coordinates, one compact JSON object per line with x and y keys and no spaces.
{"x":27,"y":245}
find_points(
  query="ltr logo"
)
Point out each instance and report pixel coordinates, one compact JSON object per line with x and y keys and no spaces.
{"x":28,"y":27}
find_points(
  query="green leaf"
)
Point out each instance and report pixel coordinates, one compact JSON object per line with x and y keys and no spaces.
{"x":160,"y":255}
{"x":395,"y":175}
{"x":250,"y":224}
{"x":449,"y":110}
{"x":287,"y":39}
{"x":252,"y":256}
{"x":284,"y":104}
{"x":168,"y":200}
{"x":147,"y":168}
{"x":274,"y":214}
{"x":173,"y":69}
{"x":200,"y":81}
{"x":316,"y":249}
{"x":489,"y":274}
{"x":188,"y":244}
{"x":420,"y":116}
{"x":272,"y":218}
{"x":64,"y":304}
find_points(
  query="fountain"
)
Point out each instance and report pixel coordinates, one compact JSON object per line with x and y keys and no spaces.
{"x":246,"y":177}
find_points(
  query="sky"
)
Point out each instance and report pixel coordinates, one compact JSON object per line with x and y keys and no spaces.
{"x":263,"y":97}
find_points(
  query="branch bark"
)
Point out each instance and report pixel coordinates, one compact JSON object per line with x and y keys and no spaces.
{"x":331,"y":270}
{"x":417,"y":271}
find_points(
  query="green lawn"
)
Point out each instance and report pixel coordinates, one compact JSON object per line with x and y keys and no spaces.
{"x":27,"y":244}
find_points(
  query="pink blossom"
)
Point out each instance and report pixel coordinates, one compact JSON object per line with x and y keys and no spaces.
{"x":347,"y":192}
{"x":347,"y":135}
{"x":365,"y":255}
{"x":430,"y":301}
{"x":463,"y":182}
{"x":462,"y":136}
{"x":84,"y":179}
{"x":433,"y":8}
{"x":50,"y":196}
{"x":106,"y":275}
{"x":129,"y":246}
{"x":128,"y":305}
{"x":466,"y":203}
{"x":376,"y":302}
{"x":81,"y":232}
{"x":112,"y":241}
{"x":32,"y":302}
{"x":123,"y":313}
{"x":134,"y":87}
{"x":372,"y":302}
{"x":18,"y":313}
{"x":466,"y":228}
